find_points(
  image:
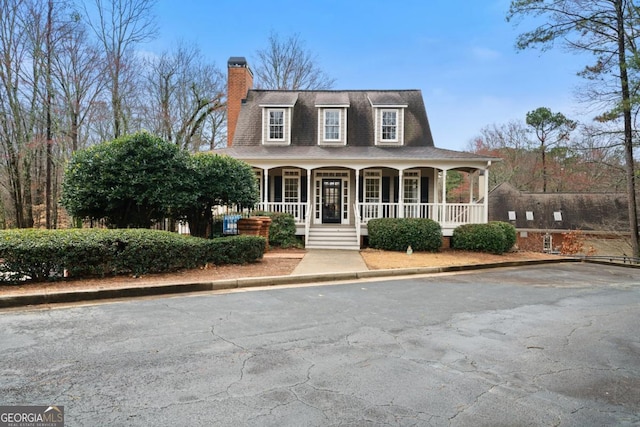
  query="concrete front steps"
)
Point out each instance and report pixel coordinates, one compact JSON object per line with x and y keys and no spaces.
{"x":332,"y":237}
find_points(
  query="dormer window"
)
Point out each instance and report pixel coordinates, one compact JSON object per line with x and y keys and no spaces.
{"x":389,"y":125}
{"x":388,"y":113}
{"x":277,"y":110}
{"x":276,"y":125}
{"x":332,"y":117}
{"x":332,"y":125}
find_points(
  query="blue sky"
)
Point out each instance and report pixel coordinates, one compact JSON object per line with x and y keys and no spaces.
{"x":460,"y":54}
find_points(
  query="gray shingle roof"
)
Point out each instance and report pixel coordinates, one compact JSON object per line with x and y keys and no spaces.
{"x":580,"y":211}
{"x":418,"y":141}
{"x":279,"y":98}
{"x":331,"y":98}
{"x":360,"y":125}
{"x":310,"y":152}
{"x":386,"y":98}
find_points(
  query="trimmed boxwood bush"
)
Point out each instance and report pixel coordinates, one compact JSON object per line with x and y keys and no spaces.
{"x":282,"y":232}
{"x":480,"y":238}
{"x":46,"y":254}
{"x":397,"y":234}
{"x":510,"y":234}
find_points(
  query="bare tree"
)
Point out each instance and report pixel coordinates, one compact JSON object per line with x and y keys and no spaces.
{"x":185,"y":97}
{"x":608,"y":30}
{"x":22,"y":87}
{"x":287,"y":65}
{"x":119,"y":26}
{"x":510,"y":142}
{"x":79,"y":80}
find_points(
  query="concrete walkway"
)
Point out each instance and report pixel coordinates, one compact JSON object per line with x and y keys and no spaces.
{"x":318,"y":261}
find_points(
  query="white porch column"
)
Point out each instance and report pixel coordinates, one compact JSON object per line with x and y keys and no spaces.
{"x":265,"y":195}
{"x":310,"y":197}
{"x":444,"y":195}
{"x":357,"y":200}
{"x":401,"y":195}
{"x":486,"y":193}
{"x":471,"y":181}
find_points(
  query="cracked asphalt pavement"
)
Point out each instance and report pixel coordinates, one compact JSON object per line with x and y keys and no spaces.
{"x":550,"y":345}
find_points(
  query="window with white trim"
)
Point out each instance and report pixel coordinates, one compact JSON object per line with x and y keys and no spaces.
{"x":389,"y":125}
{"x":332,"y":125}
{"x":372,"y":184}
{"x":276,"y":126}
{"x":411,"y":187}
{"x":372,"y":192}
{"x":291,"y":186}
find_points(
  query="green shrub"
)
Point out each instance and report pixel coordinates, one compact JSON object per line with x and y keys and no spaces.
{"x":510,"y":234}
{"x":282,"y":232}
{"x":480,"y":238}
{"x":397,"y":234}
{"x":47,"y":254}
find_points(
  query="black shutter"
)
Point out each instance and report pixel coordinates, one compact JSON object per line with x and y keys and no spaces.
{"x":396,"y":189}
{"x":277,"y":188}
{"x":361,"y":189}
{"x":386,"y":181}
{"x":424,"y":189}
{"x":303,"y":190}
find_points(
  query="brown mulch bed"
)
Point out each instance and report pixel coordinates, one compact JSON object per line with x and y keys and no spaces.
{"x":379,"y":260}
{"x":277,"y":262}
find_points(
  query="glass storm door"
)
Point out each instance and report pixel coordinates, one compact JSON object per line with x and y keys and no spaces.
{"x":331,"y":201}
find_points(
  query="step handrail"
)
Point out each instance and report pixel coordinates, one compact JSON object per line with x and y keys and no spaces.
{"x":356,"y":213}
{"x":307,"y":222}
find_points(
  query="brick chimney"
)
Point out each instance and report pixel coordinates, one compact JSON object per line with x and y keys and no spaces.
{"x":239,"y":81}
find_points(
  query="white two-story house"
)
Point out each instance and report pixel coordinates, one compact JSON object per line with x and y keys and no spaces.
{"x":336,"y":159}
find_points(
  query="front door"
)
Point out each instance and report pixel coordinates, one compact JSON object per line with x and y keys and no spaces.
{"x":331,"y":200}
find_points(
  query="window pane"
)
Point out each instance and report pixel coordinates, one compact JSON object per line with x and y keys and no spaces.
{"x":331,"y":125}
{"x":291,"y":190}
{"x":372,"y":190}
{"x":411,"y":190}
{"x":276,"y":124}
{"x":389,"y":125}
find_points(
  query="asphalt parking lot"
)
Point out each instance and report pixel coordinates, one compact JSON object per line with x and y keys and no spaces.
{"x":548,"y":345}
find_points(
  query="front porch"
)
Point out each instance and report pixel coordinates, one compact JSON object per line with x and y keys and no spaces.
{"x":334,"y":205}
{"x":448,"y":215}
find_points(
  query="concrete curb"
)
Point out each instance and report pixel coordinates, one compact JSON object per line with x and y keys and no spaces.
{"x":249,"y":282}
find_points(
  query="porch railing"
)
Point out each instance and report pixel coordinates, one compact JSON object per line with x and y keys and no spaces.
{"x":298,"y":210}
{"x":449,"y":213}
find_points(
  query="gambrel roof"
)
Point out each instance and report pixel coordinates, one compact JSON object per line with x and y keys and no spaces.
{"x":360,"y":127}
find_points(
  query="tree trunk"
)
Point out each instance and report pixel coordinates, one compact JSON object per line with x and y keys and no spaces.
{"x":49,"y":154}
{"x":628,"y":129}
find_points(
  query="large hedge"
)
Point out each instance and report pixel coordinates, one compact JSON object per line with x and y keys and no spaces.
{"x":494,"y":237}
{"x":129,"y":182}
{"x":397,"y":234}
{"x":138,"y":179}
{"x":46,"y":254}
{"x":216,"y":180}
